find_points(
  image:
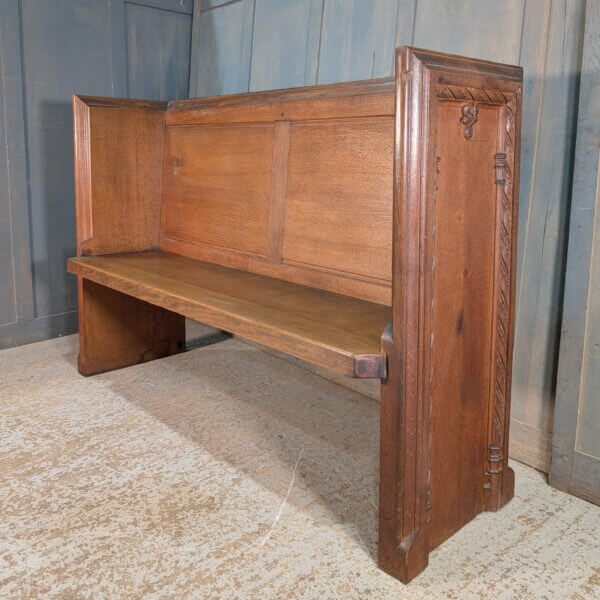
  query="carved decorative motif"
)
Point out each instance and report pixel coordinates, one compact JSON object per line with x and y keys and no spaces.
{"x":469,"y":94}
{"x":469,"y":115}
{"x":504,"y":179}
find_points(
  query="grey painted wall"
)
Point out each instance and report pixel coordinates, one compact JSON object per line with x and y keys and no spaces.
{"x":49,"y":51}
{"x":245,"y":45}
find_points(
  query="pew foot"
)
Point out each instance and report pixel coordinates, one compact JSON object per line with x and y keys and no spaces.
{"x":116,"y":330}
{"x":405,"y":560}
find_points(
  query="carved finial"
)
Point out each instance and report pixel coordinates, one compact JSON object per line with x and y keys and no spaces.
{"x":469,"y":116}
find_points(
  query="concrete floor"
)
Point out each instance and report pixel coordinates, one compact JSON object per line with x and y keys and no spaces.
{"x":227,"y":472}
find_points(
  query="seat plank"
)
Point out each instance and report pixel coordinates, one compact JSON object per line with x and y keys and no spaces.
{"x":327,"y":329}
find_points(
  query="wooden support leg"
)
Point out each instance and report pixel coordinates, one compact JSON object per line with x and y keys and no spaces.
{"x":501,"y":488}
{"x":403,"y":489}
{"x":116,"y":330}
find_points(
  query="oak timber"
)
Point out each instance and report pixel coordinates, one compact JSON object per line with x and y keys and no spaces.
{"x":338,"y":332}
{"x":367,"y":227}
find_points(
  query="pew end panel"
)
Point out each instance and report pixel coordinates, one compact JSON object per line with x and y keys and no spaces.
{"x":445,"y":402}
{"x":118,"y":170}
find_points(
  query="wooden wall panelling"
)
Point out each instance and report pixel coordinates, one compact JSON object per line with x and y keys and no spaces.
{"x":530,"y":442}
{"x":8,"y":308}
{"x":16,"y":292}
{"x":221,"y":47}
{"x":51,"y":50}
{"x":158,"y":50}
{"x":405,"y":23}
{"x":185,"y":7}
{"x":64,"y":51}
{"x":144,"y":41}
{"x":576,"y":439}
{"x":355,"y":40}
{"x":285,"y":43}
{"x":544,"y":233}
{"x":484,"y":29}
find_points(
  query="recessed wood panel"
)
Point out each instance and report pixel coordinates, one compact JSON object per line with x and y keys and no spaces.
{"x":461,"y":316}
{"x":119,"y":152}
{"x":339,"y":196}
{"x":217,"y":182}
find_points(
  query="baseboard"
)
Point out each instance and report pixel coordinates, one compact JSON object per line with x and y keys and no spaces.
{"x":530,"y":445}
{"x":37,"y":330}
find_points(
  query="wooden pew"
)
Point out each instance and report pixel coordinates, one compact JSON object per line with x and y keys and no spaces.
{"x":367,"y":227}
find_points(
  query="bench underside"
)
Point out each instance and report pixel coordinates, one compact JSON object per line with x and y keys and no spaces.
{"x":327,"y":329}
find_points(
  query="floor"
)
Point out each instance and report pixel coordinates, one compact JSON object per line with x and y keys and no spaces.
{"x":227,"y":472}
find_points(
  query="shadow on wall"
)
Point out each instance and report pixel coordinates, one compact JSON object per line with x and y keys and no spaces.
{"x":217,"y":73}
{"x":547,"y":156}
{"x":53,"y":209}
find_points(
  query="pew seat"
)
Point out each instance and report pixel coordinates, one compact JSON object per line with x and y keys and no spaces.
{"x":338,"y":332}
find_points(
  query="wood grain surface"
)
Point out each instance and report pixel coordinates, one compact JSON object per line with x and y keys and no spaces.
{"x":331,"y":330}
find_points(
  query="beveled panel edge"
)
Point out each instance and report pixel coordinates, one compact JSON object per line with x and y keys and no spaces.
{"x":107,"y":102}
{"x":440,"y":61}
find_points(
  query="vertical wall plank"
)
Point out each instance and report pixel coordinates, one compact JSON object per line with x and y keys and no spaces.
{"x":486,"y":29}
{"x":313,"y":42}
{"x":65,"y":51}
{"x":8,"y":307}
{"x":16,"y":294}
{"x":576,"y":441}
{"x":158,"y":51}
{"x":533,"y":59}
{"x":280,"y":42}
{"x":221,"y":47}
{"x":118,"y":48}
{"x":405,"y":23}
{"x":358,"y":38}
{"x":541,"y":284}
{"x":530,"y":440}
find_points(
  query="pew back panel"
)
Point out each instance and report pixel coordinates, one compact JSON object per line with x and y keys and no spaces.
{"x":295,"y":185}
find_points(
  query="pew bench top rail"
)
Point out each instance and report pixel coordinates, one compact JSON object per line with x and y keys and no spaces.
{"x":338,"y":332}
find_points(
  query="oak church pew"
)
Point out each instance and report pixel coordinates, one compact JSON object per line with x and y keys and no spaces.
{"x":366,"y":227}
